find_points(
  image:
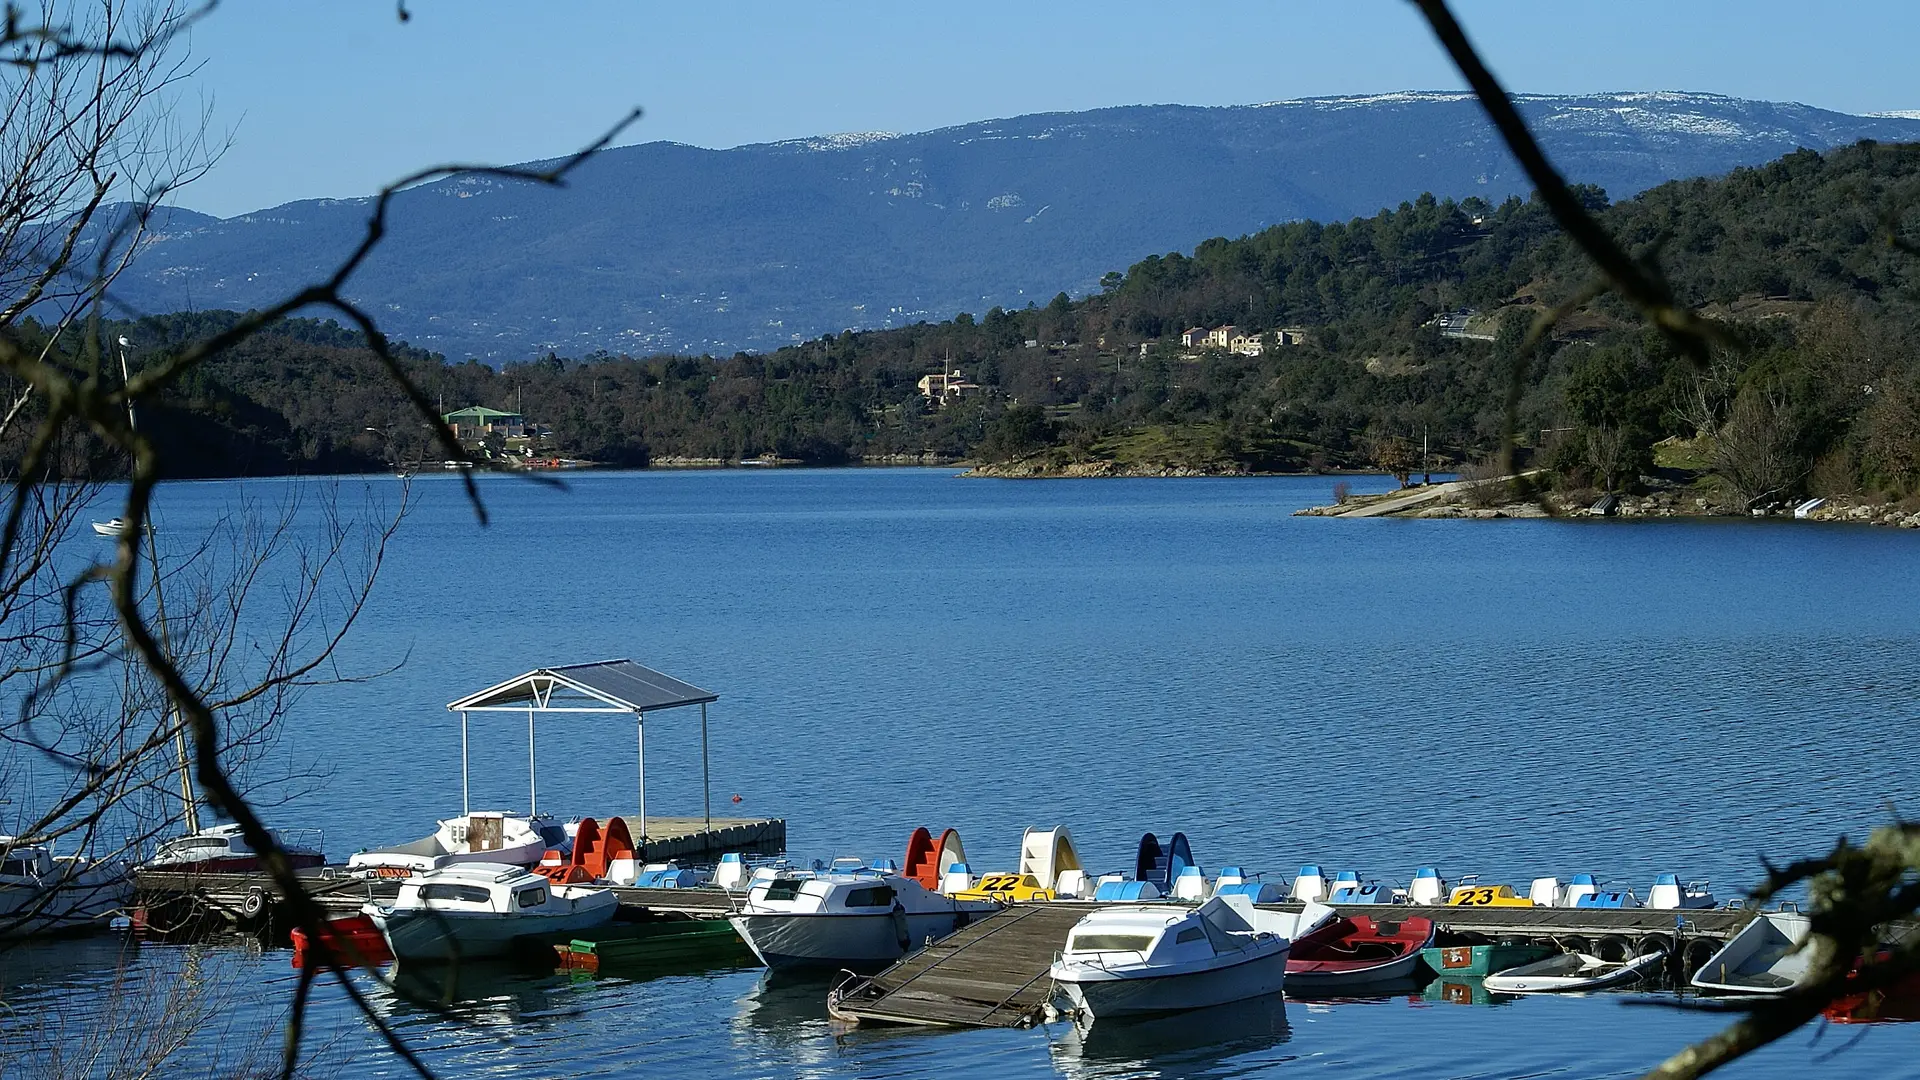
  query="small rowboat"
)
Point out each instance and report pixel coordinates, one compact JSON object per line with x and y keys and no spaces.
{"x":1481,"y":959}
{"x":1765,"y":957}
{"x":1358,"y":950}
{"x":1573,"y":972}
{"x":656,"y":941}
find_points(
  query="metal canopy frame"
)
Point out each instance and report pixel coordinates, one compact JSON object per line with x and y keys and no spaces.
{"x":605,"y":687}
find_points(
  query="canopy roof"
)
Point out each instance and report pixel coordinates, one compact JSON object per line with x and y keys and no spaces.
{"x":604,"y":686}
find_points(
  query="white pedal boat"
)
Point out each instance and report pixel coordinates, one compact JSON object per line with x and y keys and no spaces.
{"x":1572,"y":972}
{"x":1763,"y":958}
{"x":845,"y":916}
{"x":470,"y":911}
{"x":1136,"y":961}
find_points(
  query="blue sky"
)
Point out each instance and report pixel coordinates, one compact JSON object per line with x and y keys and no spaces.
{"x":337,"y":97}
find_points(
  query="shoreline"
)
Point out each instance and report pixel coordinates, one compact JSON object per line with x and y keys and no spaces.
{"x":1458,"y":500}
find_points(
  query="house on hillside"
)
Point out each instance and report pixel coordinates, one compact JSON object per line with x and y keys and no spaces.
{"x":1290,"y":335}
{"x":943,"y":388}
{"x":477,"y":422}
{"x":1221,"y":336}
{"x":1194,"y":338}
{"x":1247,"y":344}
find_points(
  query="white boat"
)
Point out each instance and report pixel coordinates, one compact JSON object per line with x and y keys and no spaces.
{"x":496,"y":837}
{"x":224,"y":849}
{"x":1135,"y":961}
{"x":1763,"y":958}
{"x":473,"y":910}
{"x":1574,"y":971}
{"x":44,"y":893}
{"x":845,"y":916}
{"x":111,"y":527}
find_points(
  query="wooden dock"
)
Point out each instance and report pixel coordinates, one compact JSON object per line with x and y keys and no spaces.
{"x":994,"y":972}
{"x":195,"y":904}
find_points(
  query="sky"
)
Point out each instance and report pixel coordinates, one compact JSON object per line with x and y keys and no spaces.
{"x":334,"y":98}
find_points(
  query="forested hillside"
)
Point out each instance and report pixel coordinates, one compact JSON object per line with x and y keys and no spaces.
{"x":1794,"y":254}
{"x":663,"y":247}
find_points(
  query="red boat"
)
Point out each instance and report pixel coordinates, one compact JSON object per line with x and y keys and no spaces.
{"x":1357,"y":951}
{"x":1899,"y":1002}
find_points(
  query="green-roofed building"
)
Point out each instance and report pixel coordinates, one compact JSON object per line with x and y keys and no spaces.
{"x":477,"y":422}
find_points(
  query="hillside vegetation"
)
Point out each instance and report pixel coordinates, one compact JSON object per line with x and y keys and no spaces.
{"x":663,"y":247}
{"x":1794,"y":254}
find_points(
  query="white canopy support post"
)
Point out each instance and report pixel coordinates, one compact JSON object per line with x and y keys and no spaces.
{"x":533,"y":793}
{"x":706,"y":774}
{"x":466,"y":803}
{"x":640,"y":729}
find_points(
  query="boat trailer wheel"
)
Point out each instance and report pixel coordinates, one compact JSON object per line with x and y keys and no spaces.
{"x":253,"y":903}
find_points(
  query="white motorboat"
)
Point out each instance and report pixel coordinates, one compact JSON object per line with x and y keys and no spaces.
{"x":224,"y":849}
{"x":846,"y":916}
{"x":1765,"y":957}
{"x":111,"y":527}
{"x":1574,"y":972}
{"x":44,"y":893}
{"x":471,"y":910}
{"x":495,"y":837}
{"x":1133,"y":961}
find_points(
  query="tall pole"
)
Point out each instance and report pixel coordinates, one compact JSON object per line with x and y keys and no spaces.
{"x":640,"y":736}
{"x":189,"y":803}
{"x":533,"y":793}
{"x":466,"y":802}
{"x":706,"y":774}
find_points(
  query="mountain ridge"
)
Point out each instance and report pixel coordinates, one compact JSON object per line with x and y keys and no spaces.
{"x":667,"y":247}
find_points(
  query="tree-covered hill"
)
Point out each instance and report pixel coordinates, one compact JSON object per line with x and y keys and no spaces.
{"x":1795,"y":254}
{"x":663,"y":247}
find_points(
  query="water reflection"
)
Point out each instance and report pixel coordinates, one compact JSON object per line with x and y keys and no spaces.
{"x":1196,"y":1043}
{"x":784,"y":1016}
{"x":30,"y":968}
{"x":483,"y":993}
{"x":1464,"y":990}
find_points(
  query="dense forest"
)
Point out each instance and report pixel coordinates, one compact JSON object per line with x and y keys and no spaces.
{"x":1796,"y":255}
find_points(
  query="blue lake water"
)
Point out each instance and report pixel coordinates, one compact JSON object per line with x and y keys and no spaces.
{"x":896,"y":648}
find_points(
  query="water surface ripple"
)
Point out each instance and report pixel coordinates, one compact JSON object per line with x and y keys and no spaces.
{"x":898,"y":648}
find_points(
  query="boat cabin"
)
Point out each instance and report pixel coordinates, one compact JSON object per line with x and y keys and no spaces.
{"x":25,"y":863}
{"x":493,"y":836}
{"x":476,"y":888}
{"x":839,"y":889}
{"x":1159,"y":937}
{"x":224,"y":848}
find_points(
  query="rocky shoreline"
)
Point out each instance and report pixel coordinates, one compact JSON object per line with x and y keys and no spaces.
{"x":1457,"y":500}
{"x":1087,"y":470}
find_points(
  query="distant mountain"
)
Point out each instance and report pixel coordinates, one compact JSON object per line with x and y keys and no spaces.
{"x":664,"y":247}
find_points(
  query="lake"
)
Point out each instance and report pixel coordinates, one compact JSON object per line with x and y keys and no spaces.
{"x":895,"y":648}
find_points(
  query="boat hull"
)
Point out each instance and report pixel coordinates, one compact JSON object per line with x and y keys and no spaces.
{"x":833,"y":939}
{"x":1149,"y":995}
{"x":618,"y":944}
{"x":234,"y":864}
{"x":459,"y":935}
{"x":1330,"y":979}
{"x":1763,"y":958}
{"x":1481,"y":959}
{"x":1557,"y":975}
{"x":80,"y":905}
